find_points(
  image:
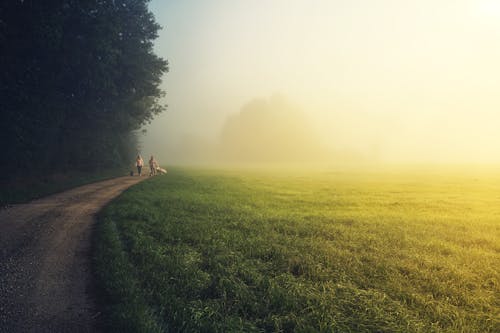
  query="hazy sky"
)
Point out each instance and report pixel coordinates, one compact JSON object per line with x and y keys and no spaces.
{"x":413,"y":81}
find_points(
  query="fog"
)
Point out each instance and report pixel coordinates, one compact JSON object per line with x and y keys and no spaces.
{"x":329,"y":82}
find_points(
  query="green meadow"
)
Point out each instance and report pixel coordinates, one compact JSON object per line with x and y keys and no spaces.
{"x":322,"y":251}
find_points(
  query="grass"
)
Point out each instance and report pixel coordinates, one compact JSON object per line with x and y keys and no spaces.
{"x":21,"y":190}
{"x":249,"y":251}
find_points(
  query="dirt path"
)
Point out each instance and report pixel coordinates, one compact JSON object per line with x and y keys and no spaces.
{"x":45,"y":260}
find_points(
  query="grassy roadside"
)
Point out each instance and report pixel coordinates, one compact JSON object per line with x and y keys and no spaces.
{"x":23,"y":189}
{"x":221,"y":251}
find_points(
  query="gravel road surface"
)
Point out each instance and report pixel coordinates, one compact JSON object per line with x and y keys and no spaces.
{"x":45,"y":277}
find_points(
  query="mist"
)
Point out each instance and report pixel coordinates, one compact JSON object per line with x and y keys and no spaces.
{"x":359,"y":82}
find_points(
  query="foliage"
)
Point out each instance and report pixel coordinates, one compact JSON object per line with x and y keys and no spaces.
{"x":78,"y":77}
{"x":214,"y":251}
{"x":270,"y":130}
{"x":21,"y":190}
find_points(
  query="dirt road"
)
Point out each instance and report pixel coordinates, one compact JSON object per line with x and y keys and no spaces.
{"x":45,"y":278}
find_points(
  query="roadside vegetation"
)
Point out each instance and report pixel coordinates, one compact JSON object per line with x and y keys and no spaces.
{"x":23,"y":189}
{"x":249,"y":251}
{"x":79,"y":80}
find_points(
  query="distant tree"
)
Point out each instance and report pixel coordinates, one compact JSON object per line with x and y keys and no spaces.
{"x":77,"y":79}
{"x":270,"y":130}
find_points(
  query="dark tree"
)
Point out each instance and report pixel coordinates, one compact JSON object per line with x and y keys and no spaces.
{"x":77,"y":78}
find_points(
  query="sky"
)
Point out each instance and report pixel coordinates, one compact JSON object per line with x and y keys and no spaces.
{"x":391,"y":80}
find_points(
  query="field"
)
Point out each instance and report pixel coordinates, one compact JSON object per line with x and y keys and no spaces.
{"x":330,"y":251}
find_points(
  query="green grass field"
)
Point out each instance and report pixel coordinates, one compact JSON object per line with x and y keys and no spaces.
{"x":257,"y":251}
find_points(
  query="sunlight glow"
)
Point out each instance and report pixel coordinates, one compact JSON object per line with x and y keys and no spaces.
{"x":412,"y":81}
{"x":490,"y":8}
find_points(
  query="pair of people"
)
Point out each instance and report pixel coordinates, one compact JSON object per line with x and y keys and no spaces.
{"x":153,"y":165}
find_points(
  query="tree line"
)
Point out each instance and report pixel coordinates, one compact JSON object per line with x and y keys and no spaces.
{"x":78,"y":78}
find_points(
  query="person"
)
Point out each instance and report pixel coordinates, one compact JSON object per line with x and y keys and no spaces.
{"x":152,"y":166}
{"x":139,"y":163}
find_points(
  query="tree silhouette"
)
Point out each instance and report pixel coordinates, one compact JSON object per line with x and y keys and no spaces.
{"x":78,"y":77}
{"x":269,"y":131}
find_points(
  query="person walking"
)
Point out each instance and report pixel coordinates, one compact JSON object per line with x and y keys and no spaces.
{"x":152,"y":166}
{"x":139,"y":163}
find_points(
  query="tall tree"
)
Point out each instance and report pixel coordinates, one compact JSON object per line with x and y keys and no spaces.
{"x":78,"y":77}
